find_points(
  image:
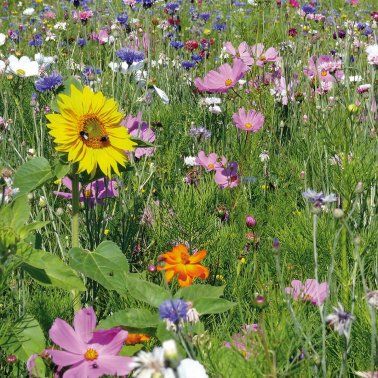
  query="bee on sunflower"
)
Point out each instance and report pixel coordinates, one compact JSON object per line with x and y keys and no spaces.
{"x":88,"y":128}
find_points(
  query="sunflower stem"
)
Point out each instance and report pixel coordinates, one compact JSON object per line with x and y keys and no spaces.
{"x":75,"y":232}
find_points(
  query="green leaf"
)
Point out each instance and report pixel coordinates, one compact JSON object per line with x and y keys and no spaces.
{"x":25,"y":230}
{"x":130,"y":350}
{"x":25,"y":339}
{"x":162,"y":333}
{"x":61,"y":169}
{"x":194,"y":292}
{"x":131,"y":318}
{"x":146,"y":291}
{"x":48,"y":269}
{"x":212,"y":305}
{"x":20,"y":212}
{"x":32,"y":175}
{"x":107,"y":265}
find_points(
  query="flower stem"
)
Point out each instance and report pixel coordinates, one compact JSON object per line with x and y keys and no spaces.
{"x":75,"y":231}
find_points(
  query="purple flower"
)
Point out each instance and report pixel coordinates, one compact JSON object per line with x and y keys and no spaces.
{"x":49,"y":83}
{"x":123,"y":18}
{"x":311,"y":291}
{"x":88,"y":353}
{"x":318,"y":199}
{"x":340,"y":320}
{"x":94,"y":193}
{"x":308,"y":9}
{"x":140,"y":130}
{"x":177,"y":44}
{"x":199,"y":132}
{"x":227,"y":176}
{"x":130,"y":56}
{"x":174,"y":310}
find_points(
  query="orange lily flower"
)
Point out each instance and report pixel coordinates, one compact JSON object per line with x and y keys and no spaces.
{"x":136,"y":338}
{"x":187,"y":267}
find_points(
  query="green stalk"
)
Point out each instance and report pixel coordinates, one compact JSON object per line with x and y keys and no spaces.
{"x":344,"y":258}
{"x":75,"y":231}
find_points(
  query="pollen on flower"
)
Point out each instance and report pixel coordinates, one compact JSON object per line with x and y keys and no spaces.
{"x":324,"y":73}
{"x":248,"y":125}
{"x":92,"y":131}
{"x":21,"y":72}
{"x":210,"y":166}
{"x":228,"y":82}
{"x":91,"y":354}
{"x":263,"y":58}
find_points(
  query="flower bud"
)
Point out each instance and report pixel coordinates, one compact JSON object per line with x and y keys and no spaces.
{"x":338,"y":213}
{"x":250,"y":221}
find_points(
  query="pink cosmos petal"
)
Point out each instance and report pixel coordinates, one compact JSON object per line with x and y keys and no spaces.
{"x":103,"y":336}
{"x":64,"y":335}
{"x":66,"y":181}
{"x":62,"y":358}
{"x":85,"y":322}
{"x":115,"y":365}
{"x":79,"y":371}
{"x":115,"y":345}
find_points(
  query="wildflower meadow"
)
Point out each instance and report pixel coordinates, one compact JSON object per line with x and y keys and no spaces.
{"x":188,"y":188}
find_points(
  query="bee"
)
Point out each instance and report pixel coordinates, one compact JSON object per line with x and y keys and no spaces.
{"x":84,"y":135}
{"x":104,"y":139}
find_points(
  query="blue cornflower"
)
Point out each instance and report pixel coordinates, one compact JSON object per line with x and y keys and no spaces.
{"x":49,"y":83}
{"x":219,"y":26}
{"x":122,"y":18}
{"x":204,"y":16}
{"x":148,"y":3}
{"x":196,"y":58}
{"x":368,"y":31}
{"x":81,"y":42}
{"x":308,"y":9}
{"x":171,"y":8}
{"x":318,"y":199}
{"x":130,"y":56}
{"x":36,"y":41}
{"x":177,"y":44}
{"x":188,"y":64}
{"x":174,"y":310}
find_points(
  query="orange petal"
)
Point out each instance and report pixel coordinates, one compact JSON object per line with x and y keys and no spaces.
{"x":187,"y":282}
{"x":198,"y":256}
{"x":197,"y":270}
{"x":169,"y":274}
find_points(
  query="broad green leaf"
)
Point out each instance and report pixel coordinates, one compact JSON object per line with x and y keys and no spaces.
{"x":132,"y":318}
{"x":20,"y":212}
{"x":48,"y":269}
{"x":25,"y":230}
{"x":162,"y":333}
{"x":106,"y":265}
{"x":25,"y":339}
{"x":146,"y":291}
{"x":130,"y":350}
{"x":61,"y":169}
{"x":212,"y":305}
{"x":32,"y":175}
{"x":194,"y":292}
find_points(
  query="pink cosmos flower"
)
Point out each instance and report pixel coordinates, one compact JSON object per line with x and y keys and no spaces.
{"x":310,"y":291}
{"x":94,"y":193}
{"x":294,"y":3}
{"x":82,"y":15}
{"x":140,"y":130}
{"x":250,"y":121}
{"x":223,"y":79}
{"x":210,"y":162}
{"x":261,"y":57}
{"x":88,"y":353}
{"x":241,"y":53}
{"x":227,"y":176}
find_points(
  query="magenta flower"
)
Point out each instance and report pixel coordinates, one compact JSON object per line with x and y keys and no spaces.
{"x":325,"y":69}
{"x":94,"y":193}
{"x":220,"y":81}
{"x":242,"y":53}
{"x":250,"y":121}
{"x":210,"y":162}
{"x":140,"y":130}
{"x":310,"y":291}
{"x":227,"y":176}
{"x":261,"y":57}
{"x":88,"y":353}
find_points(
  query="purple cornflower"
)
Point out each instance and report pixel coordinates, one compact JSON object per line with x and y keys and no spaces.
{"x":177,"y":44}
{"x":171,"y":8}
{"x":174,"y":310}
{"x":49,"y":83}
{"x":123,"y":18}
{"x":81,"y":42}
{"x":36,"y":40}
{"x":308,"y":9}
{"x":188,"y":64}
{"x":219,"y":26}
{"x":199,"y":132}
{"x":148,"y":3}
{"x":318,"y":199}
{"x":130,"y":56}
{"x":340,"y":320}
{"x":204,"y":16}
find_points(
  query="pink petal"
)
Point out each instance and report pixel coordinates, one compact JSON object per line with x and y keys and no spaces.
{"x":78,"y":371}
{"x":62,"y":358}
{"x":115,"y":365}
{"x":63,"y":335}
{"x":114,"y":346}
{"x":85,"y":322}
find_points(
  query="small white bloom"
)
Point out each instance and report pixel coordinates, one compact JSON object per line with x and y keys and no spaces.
{"x":192,"y":316}
{"x":189,"y":368}
{"x":355,"y":79}
{"x":3,"y":38}
{"x":190,"y":161}
{"x":170,"y":349}
{"x":23,"y":67}
{"x":2,"y":66}
{"x":28,"y":11}
{"x":60,"y":26}
{"x":215,"y":109}
{"x":162,"y":95}
{"x":44,"y":61}
{"x":372,"y":52}
{"x":264,"y":156}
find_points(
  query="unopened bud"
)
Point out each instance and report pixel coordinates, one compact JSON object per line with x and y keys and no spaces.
{"x":338,"y":213}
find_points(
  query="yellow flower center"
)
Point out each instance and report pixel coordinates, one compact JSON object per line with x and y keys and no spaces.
{"x":263,"y":58}
{"x":91,"y":354}
{"x":87,"y":193}
{"x":228,"y":82}
{"x":20,"y":72}
{"x":210,"y":166}
{"x":324,"y":73}
{"x":92,"y":131}
{"x":248,"y":125}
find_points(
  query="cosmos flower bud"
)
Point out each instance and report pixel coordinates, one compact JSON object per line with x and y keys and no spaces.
{"x":250,"y":221}
{"x":338,"y":213}
{"x":352,"y":108}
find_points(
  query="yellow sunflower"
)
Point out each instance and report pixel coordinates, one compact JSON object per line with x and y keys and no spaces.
{"x":88,"y":128}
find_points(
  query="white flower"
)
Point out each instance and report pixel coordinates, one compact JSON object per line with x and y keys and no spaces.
{"x":44,"y":61}
{"x":211,"y":101}
{"x":151,"y":364}
{"x":189,"y":368}
{"x":355,"y":79}
{"x":28,"y":11}
{"x":124,"y":67}
{"x":162,"y":95}
{"x":340,"y":321}
{"x":215,"y":109}
{"x":190,"y":161}
{"x":170,"y":349}
{"x":264,"y":156}
{"x":60,"y":26}
{"x":372,"y":298}
{"x":23,"y":67}
{"x":192,"y":316}
{"x":3,"y":38}
{"x":372,"y":52}
{"x":2,"y":66}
